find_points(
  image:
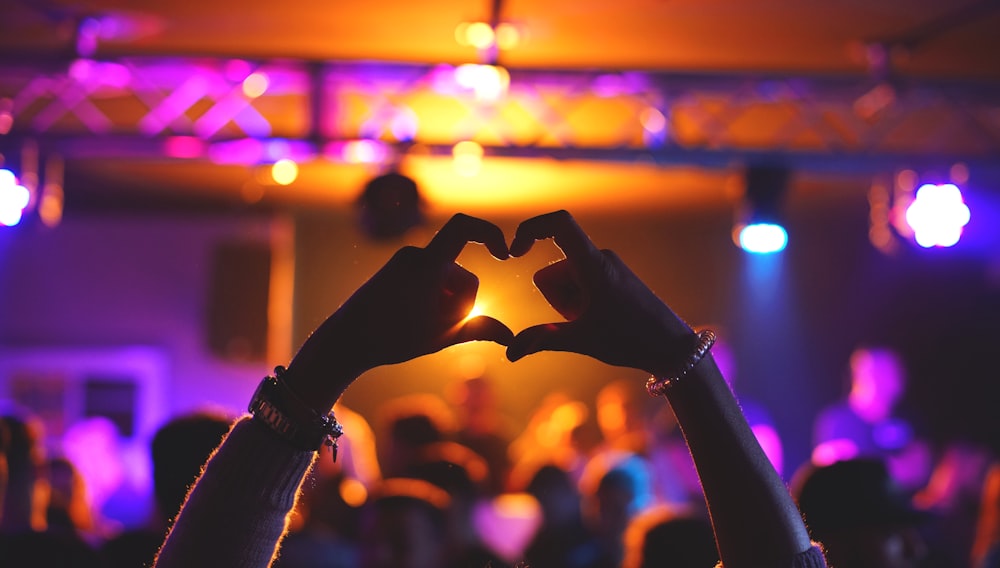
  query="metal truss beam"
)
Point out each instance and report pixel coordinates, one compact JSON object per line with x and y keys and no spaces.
{"x":143,"y":107}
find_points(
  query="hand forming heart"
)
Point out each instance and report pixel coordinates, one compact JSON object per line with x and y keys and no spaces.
{"x":419,"y":301}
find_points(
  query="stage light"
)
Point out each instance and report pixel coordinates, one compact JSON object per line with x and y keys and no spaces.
{"x":760,"y":230}
{"x":284,"y":171}
{"x":255,"y":85}
{"x":364,"y":152}
{"x":14,"y":198}
{"x":488,"y":82}
{"x":763,"y":238}
{"x":937,"y":215}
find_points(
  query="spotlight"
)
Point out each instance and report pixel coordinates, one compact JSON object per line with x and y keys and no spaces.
{"x":937,"y":215}
{"x":390,"y":206}
{"x":760,"y":230}
{"x":14,"y":198}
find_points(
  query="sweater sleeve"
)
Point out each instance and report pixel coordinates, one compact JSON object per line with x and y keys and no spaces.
{"x":811,"y":558}
{"x":237,"y":511}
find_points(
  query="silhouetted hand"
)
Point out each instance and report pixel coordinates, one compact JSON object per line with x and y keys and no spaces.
{"x":414,"y":305}
{"x":612,"y":315}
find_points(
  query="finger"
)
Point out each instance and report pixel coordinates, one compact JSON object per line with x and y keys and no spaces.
{"x":484,"y":328}
{"x":544,"y":337}
{"x":558,"y":285}
{"x":458,"y":292}
{"x":559,"y":226}
{"x":461,"y":229}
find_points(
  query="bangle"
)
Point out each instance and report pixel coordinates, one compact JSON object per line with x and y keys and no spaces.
{"x":657,"y":386}
{"x":276,"y":405}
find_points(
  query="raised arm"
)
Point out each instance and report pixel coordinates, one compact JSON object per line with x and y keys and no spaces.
{"x":416,"y":304}
{"x":612,"y":316}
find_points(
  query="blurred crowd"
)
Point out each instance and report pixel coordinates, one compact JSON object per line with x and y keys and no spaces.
{"x":450,"y":481}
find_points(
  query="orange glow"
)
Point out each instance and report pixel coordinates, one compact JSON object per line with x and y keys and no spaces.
{"x":477,"y":310}
{"x":569,"y":415}
{"x":50,"y":207}
{"x":255,"y":85}
{"x":353,"y":492}
{"x":468,"y":158}
{"x":462,"y":33}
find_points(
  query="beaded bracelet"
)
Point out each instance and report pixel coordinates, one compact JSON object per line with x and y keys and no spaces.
{"x":276,"y":405}
{"x":657,"y":386}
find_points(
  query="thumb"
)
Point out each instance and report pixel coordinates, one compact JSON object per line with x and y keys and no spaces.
{"x":483,"y":328}
{"x":544,"y":337}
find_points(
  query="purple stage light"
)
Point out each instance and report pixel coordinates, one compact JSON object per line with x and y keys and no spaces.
{"x":937,"y":215}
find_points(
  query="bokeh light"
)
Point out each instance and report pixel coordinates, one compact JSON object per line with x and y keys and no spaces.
{"x":255,"y":85}
{"x":653,"y":120}
{"x":507,"y":36}
{"x":284,"y":171}
{"x":479,"y":35}
{"x":488,"y":82}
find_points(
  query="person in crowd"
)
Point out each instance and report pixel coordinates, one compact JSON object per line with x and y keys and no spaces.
{"x":556,"y":433}
{"x":418,"y":304}
{"x":986,"y":546}
{"x":407,"y":425}
{"x":662,"y":536}
{"x":67,"y":509}
{"x":482,"y":427}
{"x":25,"y":537}
{"x":616,"y":488}
{"x":465,"y":476}
{"x":861,"y":515}
{"x":563,"y":540}
{"x":955,"y":497}
{"x":405,"y":526}
{"x":866,"y":423}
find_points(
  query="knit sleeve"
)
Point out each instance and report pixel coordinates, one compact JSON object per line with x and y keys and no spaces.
{"x":811,"y":558}
{"x":237,"y":511}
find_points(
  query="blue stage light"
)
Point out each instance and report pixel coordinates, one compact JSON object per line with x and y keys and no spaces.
{"x":763,"y":238}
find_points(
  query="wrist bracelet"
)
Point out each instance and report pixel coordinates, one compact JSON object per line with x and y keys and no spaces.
{"x":276,"y":405}
{"x":657,"y":386}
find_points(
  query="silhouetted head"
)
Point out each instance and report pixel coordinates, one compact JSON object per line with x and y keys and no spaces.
{"x":662,"y":537}
{"x":180,"y":449}
{"x":405,"y":526}
{"x":410,"y":423}
{"x":860,"y":515}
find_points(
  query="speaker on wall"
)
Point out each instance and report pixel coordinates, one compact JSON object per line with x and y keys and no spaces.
{"x":238,"y":300}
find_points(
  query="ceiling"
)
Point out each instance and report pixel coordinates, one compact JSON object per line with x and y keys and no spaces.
{"x":920,"y":42}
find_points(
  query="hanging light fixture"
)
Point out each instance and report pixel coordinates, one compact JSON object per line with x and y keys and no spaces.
{"x":759,"y":229}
